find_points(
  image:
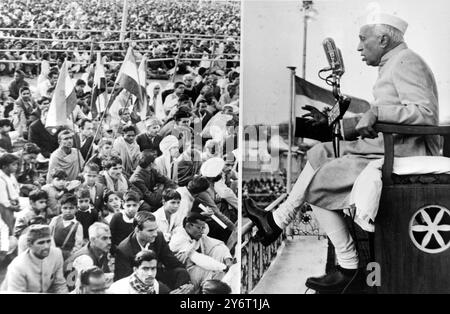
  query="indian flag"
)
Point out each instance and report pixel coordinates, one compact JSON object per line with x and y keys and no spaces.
{"x":142,"y":75}
{"x":128,"y":77}
{"x":63,"y":101}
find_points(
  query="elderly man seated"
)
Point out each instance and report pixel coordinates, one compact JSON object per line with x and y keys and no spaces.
{"x":206,"y":257}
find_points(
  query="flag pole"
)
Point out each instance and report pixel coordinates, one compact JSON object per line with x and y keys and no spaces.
{"x":76,"y":144}
{"x":100,"y":124}
{"x":290,"y":128}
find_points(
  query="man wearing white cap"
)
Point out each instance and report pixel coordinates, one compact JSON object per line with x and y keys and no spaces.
{"x":212,"y":170}
{"x":166,"y":163}
{"x":404,"y":93}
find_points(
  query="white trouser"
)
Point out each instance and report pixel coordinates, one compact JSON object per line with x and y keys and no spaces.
{"x":286,"y":212}
{"x":331,"y":222}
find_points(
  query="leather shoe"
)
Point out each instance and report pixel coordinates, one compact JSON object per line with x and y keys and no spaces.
{"x":268,"y":231}
{"x":337,"y":282}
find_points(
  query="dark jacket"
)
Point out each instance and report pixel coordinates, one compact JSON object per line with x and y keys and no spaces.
{"x":146,"y":181}
{"x":47,"y":142}
{"x":129,"y":247}
{"x":144,"y":142}
{"x":99,"y":190}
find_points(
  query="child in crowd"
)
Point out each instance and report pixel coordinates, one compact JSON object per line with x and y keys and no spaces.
{"x":55,"y":189}
{"x":96,"y":190}
{"x":66,"y":231}
{"x":164,"y":216}
{"x":86,"y":213}
{"x":112,"y":205}
{"x":122,"y":223}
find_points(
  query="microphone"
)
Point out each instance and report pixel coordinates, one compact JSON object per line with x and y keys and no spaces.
{"x":334,"y":56}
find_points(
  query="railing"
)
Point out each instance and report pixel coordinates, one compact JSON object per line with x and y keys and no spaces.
{"x":255,"y":258}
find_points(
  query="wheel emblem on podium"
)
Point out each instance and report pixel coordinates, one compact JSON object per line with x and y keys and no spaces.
{"x":429,"y":229}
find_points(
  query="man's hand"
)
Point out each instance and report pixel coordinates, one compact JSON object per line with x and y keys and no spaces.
{"x":365,"y":125}
{"x":315,"y":116}
{"x":183,"y":256}
{"x":208,"y":212}
{"x":184,"y":289}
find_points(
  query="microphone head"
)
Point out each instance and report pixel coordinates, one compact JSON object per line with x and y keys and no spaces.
{"x":334,"y":56}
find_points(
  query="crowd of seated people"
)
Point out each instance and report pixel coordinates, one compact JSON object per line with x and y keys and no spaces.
{"x":124,"y":203}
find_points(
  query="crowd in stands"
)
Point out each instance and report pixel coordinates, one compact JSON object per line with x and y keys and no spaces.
{"x":48,"y":20}
{"x":118,"y":202}
{"x":263,"y":190}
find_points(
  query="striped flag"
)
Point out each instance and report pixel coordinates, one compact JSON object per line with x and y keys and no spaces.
{"x":142,"y":72}
{"x":63,"y":101}
{"x":307,"y":93}
{"x":128,"y":77}
{"x":99,"y":94}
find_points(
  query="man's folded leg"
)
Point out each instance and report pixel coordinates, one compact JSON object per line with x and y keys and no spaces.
{"x":271,"y":224}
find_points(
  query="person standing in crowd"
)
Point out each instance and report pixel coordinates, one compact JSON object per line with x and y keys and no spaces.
{"x":9,"y":189}
{"x":65,"y":157}
{"x":25,"y":273}
{"x":155,"y":100}
{"x":147,"y":237}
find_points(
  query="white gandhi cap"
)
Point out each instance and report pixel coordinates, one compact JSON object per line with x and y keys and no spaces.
{"x":212,"y":167}
{"x":387,"y":19}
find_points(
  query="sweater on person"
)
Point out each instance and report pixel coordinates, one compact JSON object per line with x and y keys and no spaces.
{"x":120,"y":229}
{"x":86,"y":219}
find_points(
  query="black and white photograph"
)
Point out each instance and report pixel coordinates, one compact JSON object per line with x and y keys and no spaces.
{"x":345,"y":172}
{"x":118,"y":137}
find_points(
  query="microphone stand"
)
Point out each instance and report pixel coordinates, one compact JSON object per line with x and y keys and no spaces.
{"x":337,"y":112}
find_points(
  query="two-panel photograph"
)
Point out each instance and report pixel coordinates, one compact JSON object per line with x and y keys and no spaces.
{"x":232,"y":147}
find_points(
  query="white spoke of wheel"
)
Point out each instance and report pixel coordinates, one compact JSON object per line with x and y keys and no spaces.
{"x":443,"y":227}
{"x":426,"y":217}
{"x":427,"y":239}
{"x":439,"y":239}
{"x":439,"y":216}
{"x":420,"y":228}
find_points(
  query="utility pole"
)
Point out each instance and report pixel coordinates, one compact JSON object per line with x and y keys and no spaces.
{"x":124,"y":20}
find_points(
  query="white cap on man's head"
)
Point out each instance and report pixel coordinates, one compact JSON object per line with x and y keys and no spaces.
{"x":387,"y":19}
{"x":168,"y":142}
{"x":212,"y":167}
